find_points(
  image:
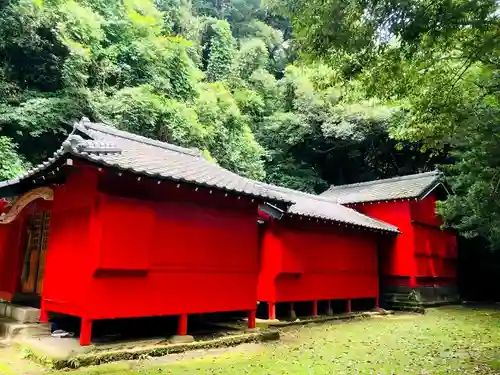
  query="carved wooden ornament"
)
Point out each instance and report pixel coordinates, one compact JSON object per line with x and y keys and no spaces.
{"x":45,"y":193}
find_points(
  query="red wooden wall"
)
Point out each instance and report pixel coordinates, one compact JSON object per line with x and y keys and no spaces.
{"x":397,"y":255}
{"x":423,"y":253}
{"x":68,"y":263}
{"x":317,"y":262}
{"x":114,"y":257}
{"x":185,"y":260}
{"x":435,"y":249}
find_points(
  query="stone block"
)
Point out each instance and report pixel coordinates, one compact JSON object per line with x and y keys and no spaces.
{"x":14,"y":330}
{"x":181,"y":339}
{"x":24,"y":314}
{"x":8,"y":310}
{"x":3,"y":308}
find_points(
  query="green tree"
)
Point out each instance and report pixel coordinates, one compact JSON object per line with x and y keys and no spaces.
{"x":122,"y":62}
{"x":140,"y":110}
{"x":252,"y":55}
{"x":208,"y":74}
{"x":220,"y":51}
{"x":231,"y":141}
{"x":11,"y":164}
{"x":474,"y":209}
{"x":439,"y":61}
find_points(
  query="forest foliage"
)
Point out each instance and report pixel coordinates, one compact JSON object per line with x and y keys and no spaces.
{"x":439,"y":59}
{"x":293,"y":92}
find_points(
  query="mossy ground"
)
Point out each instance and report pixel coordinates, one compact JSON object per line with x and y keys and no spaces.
{"x":449,"y":340}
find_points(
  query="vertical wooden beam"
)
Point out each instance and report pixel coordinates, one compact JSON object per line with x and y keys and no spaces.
{"x":377,"y":302}
{"x":182,"y":325}
{"x":349,"y":306}
{"x":85,"y":332}
{"x":271,"y":311}
{"x":251,"y":319}
{"x":315,"y":308}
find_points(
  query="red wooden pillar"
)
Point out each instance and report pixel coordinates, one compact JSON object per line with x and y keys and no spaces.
{"x":44,"y":314}
{"x":349,"y":306}
{"x":182,"y":325}
{"x":377,"y":303}
{"x":413,"y":282}
{"x":315,"y":308}
{"x":251,"y":319}
{"x":85,"y":332}
{"x":272,"y":311}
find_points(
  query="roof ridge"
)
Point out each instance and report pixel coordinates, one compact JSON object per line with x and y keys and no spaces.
{"x":386,"y":180}
{"x":85,"y":124}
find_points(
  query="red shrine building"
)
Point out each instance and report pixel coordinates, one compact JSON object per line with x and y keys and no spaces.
{"x":422,"y":260}
{"x":113,"y":217}
{"x":319,"y":252}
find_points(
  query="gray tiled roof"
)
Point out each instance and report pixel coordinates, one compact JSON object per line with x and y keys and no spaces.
{"x":107,"y":146}
{"x":405,"y":187}
{"x":318,"y":207}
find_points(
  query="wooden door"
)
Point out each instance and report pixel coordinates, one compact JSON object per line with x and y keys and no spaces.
{"x":35,"y":253}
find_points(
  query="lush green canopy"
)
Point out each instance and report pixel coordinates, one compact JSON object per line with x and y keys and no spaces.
{"x":438,"y":59}
{"x":217,"y":75}
{"x":359,"y":90}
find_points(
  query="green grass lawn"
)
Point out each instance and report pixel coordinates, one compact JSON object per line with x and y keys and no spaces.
{"x":452,"y":340}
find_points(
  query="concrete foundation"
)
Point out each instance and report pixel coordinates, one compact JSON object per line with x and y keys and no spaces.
{"x":12,"y":330}
{"x":402,"y":297}
{"x":19,"y":322}
{"x":263,"y":323}
{"x":67,"y":353}
{"x":181,"y":339}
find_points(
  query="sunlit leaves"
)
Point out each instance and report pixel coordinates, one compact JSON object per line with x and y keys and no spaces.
{"x":220,"y":49}
{"x":11,"y":163}
{"x":142,"y":111}
{"x":231,"y":141}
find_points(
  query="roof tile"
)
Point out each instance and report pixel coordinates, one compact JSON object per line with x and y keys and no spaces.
{"x":405,"y":187}
{"x":319,"y":207}
{"x":109,"y":146}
